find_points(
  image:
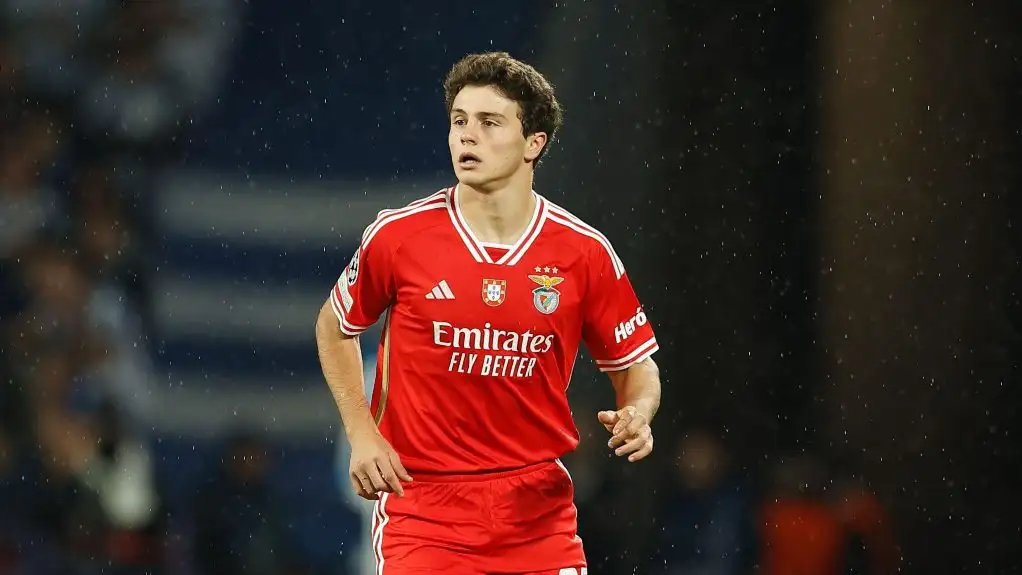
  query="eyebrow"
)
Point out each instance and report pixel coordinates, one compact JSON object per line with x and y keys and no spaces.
{"x":482,"y":114}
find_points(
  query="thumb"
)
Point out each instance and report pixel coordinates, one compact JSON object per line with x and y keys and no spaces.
{"x":402,"y":473}
{"x":608,"y":417}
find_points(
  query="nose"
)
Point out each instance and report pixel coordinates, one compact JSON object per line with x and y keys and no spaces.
{"x":467,"y":133}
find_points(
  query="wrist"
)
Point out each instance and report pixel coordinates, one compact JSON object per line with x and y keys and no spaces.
{"x":361,"y":426}
{"x":641,"y":407}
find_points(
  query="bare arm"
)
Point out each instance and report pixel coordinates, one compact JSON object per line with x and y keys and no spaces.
{"x":341,"y":360}
{"x":375,"y":467}
{"x":639,"y":387}
{"x":638,"y":398}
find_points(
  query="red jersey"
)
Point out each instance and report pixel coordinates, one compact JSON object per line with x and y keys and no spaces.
{"x":479,"y":340}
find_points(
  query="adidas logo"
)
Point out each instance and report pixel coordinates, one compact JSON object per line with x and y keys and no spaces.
{"x":441,"y":291}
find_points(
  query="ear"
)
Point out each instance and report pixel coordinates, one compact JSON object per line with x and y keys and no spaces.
{"x":534,"y":144}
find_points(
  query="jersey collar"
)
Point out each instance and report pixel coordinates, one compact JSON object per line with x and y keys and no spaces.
{"x":475,"y":247}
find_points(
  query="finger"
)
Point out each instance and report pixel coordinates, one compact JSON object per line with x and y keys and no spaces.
{"x":376,"y":480}
{"x":402,"y":473}
{"x":618,"y":440}
{"x":632,"y":445}
{"x":389,"y":477}
{"x":636,"y":426}
{"x":360,"y":489}
{"x":623,"y":420}
{"x":642,"y":453}
{"x":361,"y":481}
{"x":607,"y":418}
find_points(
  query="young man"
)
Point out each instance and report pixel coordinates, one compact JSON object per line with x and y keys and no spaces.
{"x":486,"y":290}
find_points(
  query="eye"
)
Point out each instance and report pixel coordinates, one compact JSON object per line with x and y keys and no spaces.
{"x":489,"y":123}
{"x":458,"y":121}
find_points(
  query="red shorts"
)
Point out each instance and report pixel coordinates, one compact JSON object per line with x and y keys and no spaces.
{"x":515,"y":523}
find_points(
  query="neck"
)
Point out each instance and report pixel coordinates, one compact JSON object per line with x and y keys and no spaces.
{"x":499,"y":215}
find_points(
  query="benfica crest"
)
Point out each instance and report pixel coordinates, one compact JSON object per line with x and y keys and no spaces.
{"x":546,"y":298}
{"x":494,"y":292}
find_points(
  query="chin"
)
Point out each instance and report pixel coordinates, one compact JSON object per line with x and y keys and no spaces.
{"x":472,"y":178}
{"x":483,"y":180}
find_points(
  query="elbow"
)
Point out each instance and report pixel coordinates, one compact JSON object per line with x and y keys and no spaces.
{"x":655,"y":370}
{"x":649,"y":365}
{"x":652,"y":375}
{"x":651,"y":379}
{"x":328,"y":326}
{"x":647,"y":370}
{"x":326,"y":322}
{"x":645,"y":374}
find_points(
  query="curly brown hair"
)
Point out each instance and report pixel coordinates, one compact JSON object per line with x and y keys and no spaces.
{"x":539,"y":110}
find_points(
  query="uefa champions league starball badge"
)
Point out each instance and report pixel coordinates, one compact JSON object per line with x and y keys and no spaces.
{"x":352,"y":273}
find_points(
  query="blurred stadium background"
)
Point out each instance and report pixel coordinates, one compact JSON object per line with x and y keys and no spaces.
{"x":819,"y":202}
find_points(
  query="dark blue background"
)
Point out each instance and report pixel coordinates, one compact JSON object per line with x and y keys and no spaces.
{"x":349,"y":88}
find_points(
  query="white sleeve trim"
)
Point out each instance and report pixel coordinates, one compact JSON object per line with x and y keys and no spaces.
{"x":641,"y":353}
{"x":346,"y":327}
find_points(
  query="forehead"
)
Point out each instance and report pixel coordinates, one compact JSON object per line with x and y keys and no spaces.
{"x":485,"y":100}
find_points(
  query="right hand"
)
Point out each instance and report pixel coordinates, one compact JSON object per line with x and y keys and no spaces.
{"x":375,"y":467}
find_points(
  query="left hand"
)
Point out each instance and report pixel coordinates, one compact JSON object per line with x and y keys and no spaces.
{"x":630,"y":432}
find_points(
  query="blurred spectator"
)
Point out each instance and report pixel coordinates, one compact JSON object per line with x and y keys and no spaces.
{"x":116,"y":301}
{"x":28,"y":146}
{"x":92,"y":95}
{"x":50,"y":36}
{"x":800,"y":531}
{"x":708,"y":521}
{"x":152,"y":71}
{"x":862,"y":516}
{"x":110,"y":222}
{"x":71,"y":310}
{"x":55,"y":314}
{"x":97,"y":494}
{"x":239,"y":525}
{"x":130,"y":99}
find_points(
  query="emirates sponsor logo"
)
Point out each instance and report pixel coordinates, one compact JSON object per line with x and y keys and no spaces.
{"x":479,"y":349}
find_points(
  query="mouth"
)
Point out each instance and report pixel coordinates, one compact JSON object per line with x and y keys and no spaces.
{"x":467,"y":160}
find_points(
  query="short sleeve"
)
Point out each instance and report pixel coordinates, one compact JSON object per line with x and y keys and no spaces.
{"x":615,"y":327}
{"x":366,"y":286}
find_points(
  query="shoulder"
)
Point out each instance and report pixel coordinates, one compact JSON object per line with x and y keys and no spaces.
{"x":594,"y":245}
{"x":392,"y":226}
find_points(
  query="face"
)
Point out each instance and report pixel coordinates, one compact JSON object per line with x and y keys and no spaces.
{"x":487,"y":145}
